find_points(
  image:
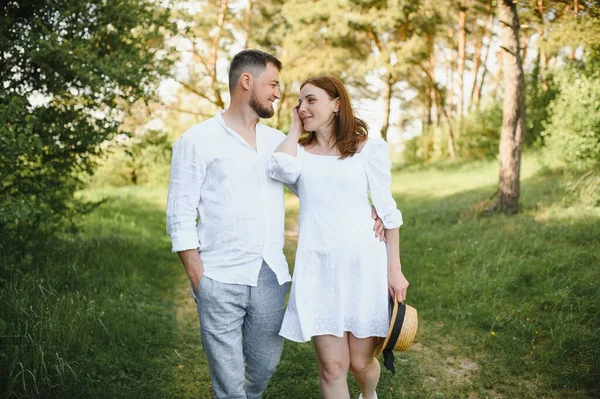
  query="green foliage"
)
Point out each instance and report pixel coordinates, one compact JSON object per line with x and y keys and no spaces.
{"x":69,"y":69}
{"x":430,"y":146}
{"x":572,"y":133}
{"x":537,"y":99}
{"x":479,"y":138}
{"x":584,"y":189}
{"x":37,"y":185}
{"x":480,"y":134}
{"x":140,"y":159}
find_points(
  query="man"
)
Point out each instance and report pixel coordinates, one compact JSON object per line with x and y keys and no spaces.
{"x":234,"y":254}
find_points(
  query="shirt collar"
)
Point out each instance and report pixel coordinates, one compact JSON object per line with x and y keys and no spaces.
{"x":221,"y":121}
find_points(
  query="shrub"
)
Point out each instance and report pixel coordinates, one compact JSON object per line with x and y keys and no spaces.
{"x":572,"y":134}
{"x":140,"y":159}
{"x":478,"y":139}
{"x":480,"y":135}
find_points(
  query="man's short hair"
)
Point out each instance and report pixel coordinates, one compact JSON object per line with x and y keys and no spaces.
{"x":253,"y":61}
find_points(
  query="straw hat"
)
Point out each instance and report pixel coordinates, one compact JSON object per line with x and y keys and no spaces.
{"x":402,"y":331}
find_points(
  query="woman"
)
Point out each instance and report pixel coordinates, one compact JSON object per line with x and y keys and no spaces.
{"x":343,"y":273}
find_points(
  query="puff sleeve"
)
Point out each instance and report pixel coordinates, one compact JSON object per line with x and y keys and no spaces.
{"x":284,"y":167}
{"x":378,"y":167}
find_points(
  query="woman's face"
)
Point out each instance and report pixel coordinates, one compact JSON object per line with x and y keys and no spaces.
{"x":316,"y":109}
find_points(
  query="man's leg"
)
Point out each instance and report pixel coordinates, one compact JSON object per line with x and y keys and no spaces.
{"x":262,"y":343}
{"x":221,"y":310}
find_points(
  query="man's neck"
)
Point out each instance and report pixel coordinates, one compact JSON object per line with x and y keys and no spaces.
{"x":241,"y":118}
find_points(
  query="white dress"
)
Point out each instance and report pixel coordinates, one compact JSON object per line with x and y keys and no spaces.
{"x":340,"y":275}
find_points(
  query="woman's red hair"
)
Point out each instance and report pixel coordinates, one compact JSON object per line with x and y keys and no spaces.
{"x":348,"y":130}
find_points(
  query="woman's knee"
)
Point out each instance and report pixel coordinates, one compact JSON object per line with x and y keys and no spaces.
{"x":334,"y":370}
{"x":361,"y":364}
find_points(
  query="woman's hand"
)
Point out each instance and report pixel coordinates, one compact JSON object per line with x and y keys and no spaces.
{"x":297,"y":127}
{"x":397,"y":283}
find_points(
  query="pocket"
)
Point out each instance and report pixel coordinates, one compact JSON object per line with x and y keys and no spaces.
{"x":196,"y":293}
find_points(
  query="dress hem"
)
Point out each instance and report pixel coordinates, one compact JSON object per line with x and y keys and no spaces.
{"x":302,"y":340}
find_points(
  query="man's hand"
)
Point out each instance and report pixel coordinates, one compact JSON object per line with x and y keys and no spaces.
{"x":196,"y":278}
{"x":379,"y":229}
{"x":193,"y":266}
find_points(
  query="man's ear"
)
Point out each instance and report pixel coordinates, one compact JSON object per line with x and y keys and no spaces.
{"x":246,"y":80}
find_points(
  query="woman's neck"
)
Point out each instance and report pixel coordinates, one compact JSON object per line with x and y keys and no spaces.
{"x":325,"y":139}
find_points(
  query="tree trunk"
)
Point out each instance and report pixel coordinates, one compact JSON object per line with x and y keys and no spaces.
{"x":575,"y":16}
{"x":476,"y":65}
{"x":478,"y":87}
{"x":498,"y":77}
{"x":248,"y":24}
{"x":428,"y":120}
{"x":441,"y":110}
{"x":434,"y":110}
{"x":524,"y":48}
{"x":542,"y":58}
{"x":387,"y":99}
{"x":450,"y":79}
{"x":513,"y":122}
{"x":462,"y":47}
{"x":282,"y":107}
{"x":215,"y":52}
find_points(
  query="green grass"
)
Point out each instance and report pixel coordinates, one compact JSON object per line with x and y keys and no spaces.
{"x":509,"y":307}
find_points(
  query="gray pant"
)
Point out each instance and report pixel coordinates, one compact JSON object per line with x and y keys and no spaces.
{"x":239,"y":327}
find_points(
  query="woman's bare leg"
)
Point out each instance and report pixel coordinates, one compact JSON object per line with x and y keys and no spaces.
{"x":364,"y":366}
{"x":333,"y":357}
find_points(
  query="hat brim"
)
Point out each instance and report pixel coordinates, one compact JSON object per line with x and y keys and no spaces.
{"x":383,"y":341}
{"x":408,"y":330}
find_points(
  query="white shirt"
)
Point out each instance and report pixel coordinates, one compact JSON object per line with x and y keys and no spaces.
{"x":218,"y":176}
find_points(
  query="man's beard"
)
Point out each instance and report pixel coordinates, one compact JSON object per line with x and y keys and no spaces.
{"x":261,"y":110}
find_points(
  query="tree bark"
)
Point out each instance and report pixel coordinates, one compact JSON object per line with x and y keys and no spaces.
{"x":440,"y":108}
{"x":387,"y":99}
{"x":214,"y":54}
{"x":498,"y":77}
{"x":478,"y":86}
{"x":428,"y":120}
{"x":542,"y":58}
{"x":575,"y":16}
{"x":450,"y":79}
{"x":524,"y":48}
{"x":434,"y":98}
{"x":476,"y":65}
{"x":281,"y":107}
{"x":513,"y":122}
{"x":248,"y":24}
{"x":462,"y":47}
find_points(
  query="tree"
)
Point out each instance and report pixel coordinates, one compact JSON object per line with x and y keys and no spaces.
{"x":513,"y":122}
{"x":204,"y":39}
{"x":69,"y":71}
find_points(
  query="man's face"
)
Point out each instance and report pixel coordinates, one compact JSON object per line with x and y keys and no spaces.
{"x":265,"y":91}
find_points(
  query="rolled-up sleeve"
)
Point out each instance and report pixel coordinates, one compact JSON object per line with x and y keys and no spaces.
{"x":378,"y":167}
{"x":187,"y":174}
{"x":284,"y":167}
